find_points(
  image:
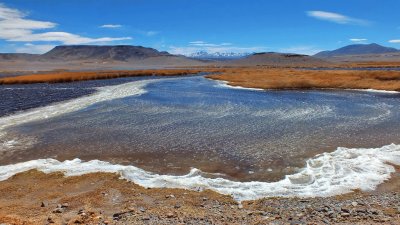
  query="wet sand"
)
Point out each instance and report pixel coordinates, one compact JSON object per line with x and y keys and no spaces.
{"x":100,"y":198}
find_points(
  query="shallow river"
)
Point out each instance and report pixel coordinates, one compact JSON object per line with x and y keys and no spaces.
{"x":171,"y":125}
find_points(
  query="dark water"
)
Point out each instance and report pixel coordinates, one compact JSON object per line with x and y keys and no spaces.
{"x":193,"y":122}
{"x":15,"y":98}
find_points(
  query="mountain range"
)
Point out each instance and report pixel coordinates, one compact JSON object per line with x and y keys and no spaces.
{"x":133,"y":57}
{"x":357,"y":49}
{"x":218,"y":55}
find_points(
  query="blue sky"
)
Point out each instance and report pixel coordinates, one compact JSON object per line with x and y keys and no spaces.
{"x":187,"y":26}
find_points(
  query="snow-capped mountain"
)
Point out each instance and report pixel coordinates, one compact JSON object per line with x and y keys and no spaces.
{"x":218,"y":55}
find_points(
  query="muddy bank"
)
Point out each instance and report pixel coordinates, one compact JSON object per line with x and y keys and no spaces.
{"x":36,"y":198}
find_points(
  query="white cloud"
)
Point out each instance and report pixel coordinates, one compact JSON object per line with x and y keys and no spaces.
{"x":358,"y":39}
{"x":65,"y":38}
{"x":395,"y":41}
{"x":36,"y":49}
{"x":150,"y":33}
{"x":111,"y":26}
{"x":336,"y":18}
{"x":15,"y":27}
{"x":197,"y":46}
{"x":205,"y":44}
{"x":306,"y":50}
{"x":147,"y":33}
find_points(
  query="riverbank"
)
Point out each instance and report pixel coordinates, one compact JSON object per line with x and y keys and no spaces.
{"x":279,"y":79}
{"x":252,"y":77}
{"x":68,"y":76}
{"x":33,"y":197}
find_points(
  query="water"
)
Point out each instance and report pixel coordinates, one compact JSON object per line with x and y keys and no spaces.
{"x":184,"y":123}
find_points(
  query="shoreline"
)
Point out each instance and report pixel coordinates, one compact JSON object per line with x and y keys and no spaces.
{"x":246,"y":77}
{"x":226,"y":84}
{"x":292,"y":79}
{"x":324,"y":175}
{"x":35,"y":198}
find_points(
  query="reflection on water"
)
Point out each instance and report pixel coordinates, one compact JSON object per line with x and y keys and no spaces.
{"x":193,"y":122}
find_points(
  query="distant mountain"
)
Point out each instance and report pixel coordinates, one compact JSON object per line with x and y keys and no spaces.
{"x":217,"y":55}
{"x":358,"y":49}
{"x":273,"y":59}
{"x":18,"y":56}
{"x":91,"y":52}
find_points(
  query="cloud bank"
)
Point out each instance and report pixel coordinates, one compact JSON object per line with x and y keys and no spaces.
{"x":358,"y":39}
{"x":111,"y":26}
{"x":336,"y":18}
{"x":16,"y":27}
{"x":225,"y":47}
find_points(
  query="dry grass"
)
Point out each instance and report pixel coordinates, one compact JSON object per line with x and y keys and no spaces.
{"x":382,"y":64}
{"x":310,"y":79}
{"x":265,"y":78}
{"x":61,"y":76}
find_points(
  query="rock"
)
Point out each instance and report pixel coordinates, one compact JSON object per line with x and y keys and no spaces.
{"x":44,"y":204}
{"x":354,"y":204}
{"x":177,"y":206}
{"x":145,"y":218}
{"x":205,"y":199}
{"x":141,"y":209}
{"x":50,"y":220}
{"x":345,"y":214}
{"x":106,"y":222}
{"x":58,"y":210}
{"x":346,"y":210}
{"x":64,"y":205}
{"x":170,"y":215}
{"x":240,"y":206}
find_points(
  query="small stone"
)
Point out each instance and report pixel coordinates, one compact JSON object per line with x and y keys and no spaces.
{"x":205,"y":199}
{"x":170,"y":215}
{"x":64,"y":205}
{"x":345,"y":214}
{"x":177,"y":206}
{"x":50,"y":220}
{"x":354,"y":204}
{"x":141,"y":209}
{"x":346,"y":210}
{"x":106,"y":222}
{"x":44,"y":204}
{"x":240,"y":206}
{"x":145,"y":218}
{"x":58,"y":210}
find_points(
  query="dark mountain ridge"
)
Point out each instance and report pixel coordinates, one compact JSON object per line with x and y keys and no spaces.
{"x":357,"y":49}
{"x":117,"y":52}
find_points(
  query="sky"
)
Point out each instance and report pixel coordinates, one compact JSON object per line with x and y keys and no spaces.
{"x":188,"y":26}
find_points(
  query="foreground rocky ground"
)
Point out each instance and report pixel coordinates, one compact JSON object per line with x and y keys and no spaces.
{"x":36,"y":198}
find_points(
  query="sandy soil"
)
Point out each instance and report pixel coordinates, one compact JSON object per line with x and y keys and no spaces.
{"x":36,"y":198}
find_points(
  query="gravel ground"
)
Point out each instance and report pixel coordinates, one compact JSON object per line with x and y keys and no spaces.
{"x":36,"y":198}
